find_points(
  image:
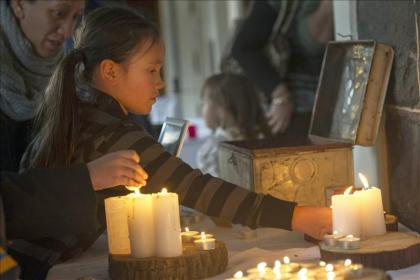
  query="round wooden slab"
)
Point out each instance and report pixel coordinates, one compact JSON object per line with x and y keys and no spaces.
{"x":193,"y":264}
{"x":393,"y":250}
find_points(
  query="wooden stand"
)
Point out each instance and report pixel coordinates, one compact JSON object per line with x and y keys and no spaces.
{"x":193,"y":264}
{"x":394,"y":250}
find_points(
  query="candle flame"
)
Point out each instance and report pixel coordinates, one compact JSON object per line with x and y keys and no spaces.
{"x":330,"y":275}
{"x":277,"y":272}
{"x":135,"y":189}
{"x":335,"y":232}
{"x":348,"y":190}
{"x":322,"y":263}
{"x":350,"y":236}
{"x":329,"y":267}
{"x":187,"y":229}
{"x":238,"y":275}
{"x":261,"y":267}
{"x":302,"y":272}
{"x":277,"y":264}
{"x":164,"y":191}
{"x":203,"y":235}
{"x":286,"y":260}
{"x":364,"y":181}
{"x":347,"y":262}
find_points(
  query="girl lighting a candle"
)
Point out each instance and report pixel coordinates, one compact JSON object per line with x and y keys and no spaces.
{"x":113,"y":72}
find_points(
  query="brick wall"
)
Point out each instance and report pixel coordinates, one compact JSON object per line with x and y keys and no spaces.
{"x":394,"y":23}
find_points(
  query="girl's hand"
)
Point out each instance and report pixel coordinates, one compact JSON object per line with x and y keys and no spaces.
{"x":118,"y":168}
{"x":315,"y":221}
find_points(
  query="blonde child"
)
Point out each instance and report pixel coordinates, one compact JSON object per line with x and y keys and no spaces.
{"x":231,"y":108}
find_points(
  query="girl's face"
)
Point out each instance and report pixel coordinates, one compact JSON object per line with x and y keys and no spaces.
{"x":47,"y":23}
{"x":210,"y":111}
{"x":140,"y":81}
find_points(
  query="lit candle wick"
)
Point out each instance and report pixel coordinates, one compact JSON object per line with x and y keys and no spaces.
{"x":286,"y":260}
{"x":187,"y":229}
{"x":364,"y":181}
{"x":203,"y":235}
{"x":164,"y":191}
{"x":347,"y":262}
{"x":238,"y":275}
{"x":348,"y":190}
{"x":137,"y":191}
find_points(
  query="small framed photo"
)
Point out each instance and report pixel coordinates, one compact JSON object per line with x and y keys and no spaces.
{"x":173,"y":134}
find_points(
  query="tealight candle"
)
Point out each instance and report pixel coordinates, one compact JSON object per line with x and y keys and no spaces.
{"x":203,"y":235}
{"x":349,"y":242}
{"x":331,"y":240}
{"x":188,"y":235}
{"x":238,"y":275}
{"x":288,"y":266}
{"x":205,"y":243}
{"x":260,"y":272}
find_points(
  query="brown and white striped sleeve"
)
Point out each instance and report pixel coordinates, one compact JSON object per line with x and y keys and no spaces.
{"x":209,"y":195}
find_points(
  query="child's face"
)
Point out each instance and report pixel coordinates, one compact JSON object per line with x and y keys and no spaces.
{"x":210,"y":111}
{"x":140,"y":80}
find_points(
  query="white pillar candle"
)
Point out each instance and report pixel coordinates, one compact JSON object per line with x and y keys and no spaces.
{"x":372,"y":212}
{"x":117,"y":226}
{"x":346,"y":213}
{"x":141,"y":225}
{"x":167,"y":224}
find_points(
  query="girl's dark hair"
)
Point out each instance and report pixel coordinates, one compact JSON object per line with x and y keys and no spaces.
{"x":106,"y":33}
{"x":238,"y":97}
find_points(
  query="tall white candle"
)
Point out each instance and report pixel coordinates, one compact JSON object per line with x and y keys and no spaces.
{"x":141,"y":225}
{"x":167,"y":224}
{"x":117,"y":226}
{"x":371,"y":209}
{"x":346,"y":213}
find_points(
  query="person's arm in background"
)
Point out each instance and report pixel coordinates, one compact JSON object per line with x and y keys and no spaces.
{"x":56,"y":201}
{"x":248,"y":50}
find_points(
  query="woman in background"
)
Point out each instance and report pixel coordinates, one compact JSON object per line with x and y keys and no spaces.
{"x":32,"y":34}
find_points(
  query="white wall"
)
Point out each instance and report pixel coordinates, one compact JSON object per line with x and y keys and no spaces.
{"x":195,"y":33}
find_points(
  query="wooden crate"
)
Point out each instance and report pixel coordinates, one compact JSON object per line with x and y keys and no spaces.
{"x":347,"y":111}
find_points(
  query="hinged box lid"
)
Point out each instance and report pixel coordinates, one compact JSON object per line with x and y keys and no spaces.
{"x":351,"y":92}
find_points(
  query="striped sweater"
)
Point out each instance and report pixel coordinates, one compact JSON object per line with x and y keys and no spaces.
{"x":105,"y":128}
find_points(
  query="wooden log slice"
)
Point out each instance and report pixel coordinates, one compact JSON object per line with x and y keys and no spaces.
{"x":193,"y":264}
{"x":393,"y":250}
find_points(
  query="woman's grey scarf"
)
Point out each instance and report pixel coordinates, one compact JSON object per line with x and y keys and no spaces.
{"x":23,"y":74}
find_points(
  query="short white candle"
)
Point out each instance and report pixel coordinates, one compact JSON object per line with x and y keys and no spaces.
{"x":205,"y":244}
{"x":203,"y":235}
{"x":141,"y":224}
{"x":371,"y":210}
{"x":117,"y":225}
{"x":238,"y":275}
{"x":346,"y":213}
{"x":188,"y":235}
{"x":349,"y":242}
{"x":167,"y":224}
{"x":331,"y":240}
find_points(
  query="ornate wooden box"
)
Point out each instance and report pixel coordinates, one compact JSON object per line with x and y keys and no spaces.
{"x":347,"y":111}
